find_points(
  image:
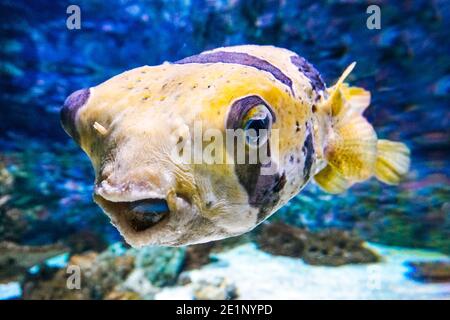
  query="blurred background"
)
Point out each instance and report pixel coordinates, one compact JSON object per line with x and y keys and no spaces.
{"x":46,"y":208}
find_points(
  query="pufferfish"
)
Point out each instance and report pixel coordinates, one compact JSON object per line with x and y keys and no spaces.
{"x":130,"y":124}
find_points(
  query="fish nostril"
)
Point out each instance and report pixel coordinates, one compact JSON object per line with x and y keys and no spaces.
{"x":69,"y":111}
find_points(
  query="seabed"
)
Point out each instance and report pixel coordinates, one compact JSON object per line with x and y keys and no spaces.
{"x":260,"y":275}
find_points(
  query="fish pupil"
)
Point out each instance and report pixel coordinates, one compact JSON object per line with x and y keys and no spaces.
{"x":253,"y":129}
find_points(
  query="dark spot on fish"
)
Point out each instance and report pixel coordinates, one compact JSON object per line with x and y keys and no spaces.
{"x":314,"y":108}
{"x":297,"y":126}
{"x":242,"y":59}
{"x":263,"y":190}
{"x":310,"y":72}
{"x":69,"y":111}
{"x":268,"y":194}
{"x":291,"y":159}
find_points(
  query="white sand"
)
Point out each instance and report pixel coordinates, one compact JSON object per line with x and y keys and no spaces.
{"x":259,"y":275}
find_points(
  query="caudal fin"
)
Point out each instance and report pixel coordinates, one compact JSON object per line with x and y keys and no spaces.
{"x":392,"y":161}
{"x":353,"y":152}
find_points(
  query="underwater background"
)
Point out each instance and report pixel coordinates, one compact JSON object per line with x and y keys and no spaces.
{"x":373,"y":241}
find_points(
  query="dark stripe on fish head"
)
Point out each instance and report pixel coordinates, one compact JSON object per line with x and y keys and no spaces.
{"x":242,"y":59}
{"x":310,"y":72}
{"x":263,"y":190}
{"x":308,"y":151}
{"x":69,"y":111}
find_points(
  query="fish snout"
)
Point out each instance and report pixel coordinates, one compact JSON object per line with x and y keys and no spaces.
{"x":137,"y":204}
{"x":70,"y":109}
{"x":127,"y":191}
{"x":120,"y":182}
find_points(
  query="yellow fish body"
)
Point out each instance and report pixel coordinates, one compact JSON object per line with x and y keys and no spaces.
{"x":130,"y":125}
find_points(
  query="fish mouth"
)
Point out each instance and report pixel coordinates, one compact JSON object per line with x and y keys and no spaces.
{"x":144,"y":214}
{"x":139,"y":215}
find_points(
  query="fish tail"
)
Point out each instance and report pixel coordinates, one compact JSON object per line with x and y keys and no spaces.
{"x":353,"y":152}
{"x":393,"y":161}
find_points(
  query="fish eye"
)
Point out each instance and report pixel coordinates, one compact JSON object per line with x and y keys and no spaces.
{"x":257,"y":124}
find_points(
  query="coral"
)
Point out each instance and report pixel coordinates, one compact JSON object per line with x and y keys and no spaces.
{"x":115,"y":273}
{"x":100,"y":275}
{"x":214,"y":289}
{"x":138,"y":283}
{"x":198,"y":255}
{"x":85,"y":240}
{"x":54,"y":196}
{"x":336,"y":247}
{"x":16,"y":259}
{"x":161,"y":266}
{"x":50,"y":284}
{"x":328,"y":247}
{"x":281,"y":239}
{"x":6,"y":180}
{"x":106,"y":272}
{"x":430,"y":271}
{"x":123,"y":295}
{"x":13,"y":224}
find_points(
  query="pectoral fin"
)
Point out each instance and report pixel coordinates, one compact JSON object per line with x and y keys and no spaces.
{"x":331,"y":181}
